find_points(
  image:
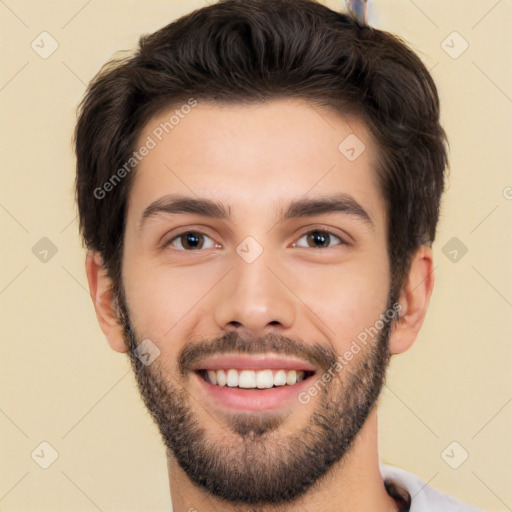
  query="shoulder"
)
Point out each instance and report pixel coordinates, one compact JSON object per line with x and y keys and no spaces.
{"x":424,"y":497}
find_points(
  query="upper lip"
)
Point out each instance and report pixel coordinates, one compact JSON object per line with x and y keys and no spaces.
{"x":253,"y":362}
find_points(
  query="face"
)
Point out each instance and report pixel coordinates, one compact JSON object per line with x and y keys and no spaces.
{"x":254,"y":264}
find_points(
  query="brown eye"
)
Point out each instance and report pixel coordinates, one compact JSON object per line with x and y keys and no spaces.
{"x":319,"y":239}
{"x":190,"y":241}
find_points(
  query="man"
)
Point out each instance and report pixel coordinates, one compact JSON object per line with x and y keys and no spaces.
{"x":258,"y":189}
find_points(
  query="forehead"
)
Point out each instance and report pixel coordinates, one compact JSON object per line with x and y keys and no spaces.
{"x":256,"y":158}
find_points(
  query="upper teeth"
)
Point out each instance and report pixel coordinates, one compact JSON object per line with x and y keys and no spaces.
{"x":260,"y":379}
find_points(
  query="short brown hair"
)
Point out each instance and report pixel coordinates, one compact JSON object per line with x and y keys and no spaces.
{"x":239,"y":51}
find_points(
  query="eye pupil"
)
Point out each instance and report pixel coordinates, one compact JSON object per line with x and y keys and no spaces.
{"x":191,"y":240}
{"x":319,"y":238}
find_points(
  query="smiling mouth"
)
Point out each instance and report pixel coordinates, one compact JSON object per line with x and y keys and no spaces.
{"x":254,"y":379}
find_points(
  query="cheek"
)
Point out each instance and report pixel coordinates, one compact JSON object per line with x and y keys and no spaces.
{"x":162,"y":299}
{"x":347,"y":299}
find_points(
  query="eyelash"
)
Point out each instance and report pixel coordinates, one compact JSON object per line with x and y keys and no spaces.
{"x":197,"y":232}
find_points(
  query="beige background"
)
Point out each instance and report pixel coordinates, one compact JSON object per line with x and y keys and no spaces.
{"x":62,"y":384}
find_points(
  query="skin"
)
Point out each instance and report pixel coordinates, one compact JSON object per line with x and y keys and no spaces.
{"x":256,"y":159}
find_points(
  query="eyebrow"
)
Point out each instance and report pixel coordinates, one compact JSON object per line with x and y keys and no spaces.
{"x":333,"y":203}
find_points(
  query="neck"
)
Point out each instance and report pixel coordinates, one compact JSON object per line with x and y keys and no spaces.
{"x":353,"y":484}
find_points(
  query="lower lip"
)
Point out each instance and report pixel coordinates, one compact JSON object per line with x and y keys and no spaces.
{"x":252,"y":399}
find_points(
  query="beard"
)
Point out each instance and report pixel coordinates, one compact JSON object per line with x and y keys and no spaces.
{"x":254,"y":463}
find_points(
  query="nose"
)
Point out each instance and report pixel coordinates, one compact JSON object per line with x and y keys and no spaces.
{"x":254,"y":299}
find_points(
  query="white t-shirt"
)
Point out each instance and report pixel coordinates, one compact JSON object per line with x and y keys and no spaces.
{"x":423,"y":497}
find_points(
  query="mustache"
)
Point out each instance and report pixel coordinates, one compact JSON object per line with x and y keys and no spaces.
{"x":236,"y":343}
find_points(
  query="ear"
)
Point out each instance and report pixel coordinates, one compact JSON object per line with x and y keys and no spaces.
{"x":414,"y":299}
{"x":100,"y":286}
